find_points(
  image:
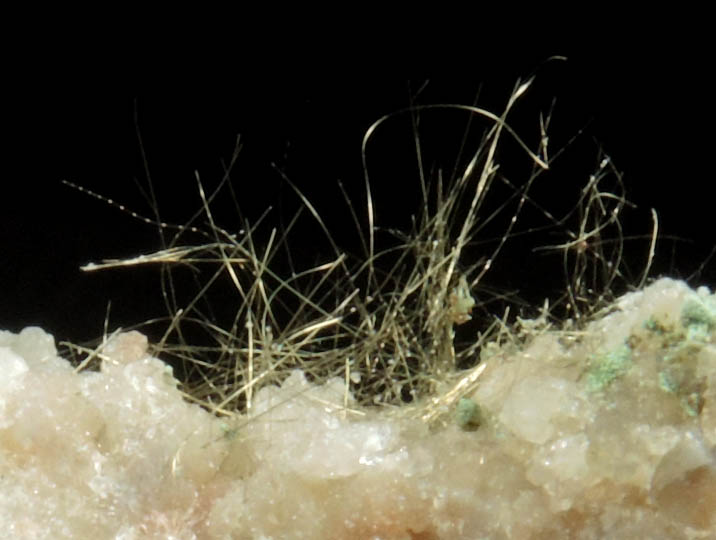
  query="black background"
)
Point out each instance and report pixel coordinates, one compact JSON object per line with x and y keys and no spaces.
{"x":652,"y":115}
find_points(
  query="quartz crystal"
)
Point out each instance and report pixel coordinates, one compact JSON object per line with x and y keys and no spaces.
{"x":609,"y":432}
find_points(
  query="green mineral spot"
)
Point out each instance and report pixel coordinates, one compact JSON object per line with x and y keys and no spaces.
{"x":653,"y":325}
{"x":699,"y":319}
{"x":681,"y":381}
{"x":605,"y":368}
{"x":468,"y":414}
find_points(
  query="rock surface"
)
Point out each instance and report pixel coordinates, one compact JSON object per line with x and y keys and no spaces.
{"x":609,"y":433}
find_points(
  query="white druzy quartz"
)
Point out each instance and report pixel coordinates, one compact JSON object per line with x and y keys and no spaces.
{"x":605,"y":433}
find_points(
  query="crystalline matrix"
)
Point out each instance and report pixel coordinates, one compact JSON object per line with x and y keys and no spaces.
{"x":608,"y":434}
